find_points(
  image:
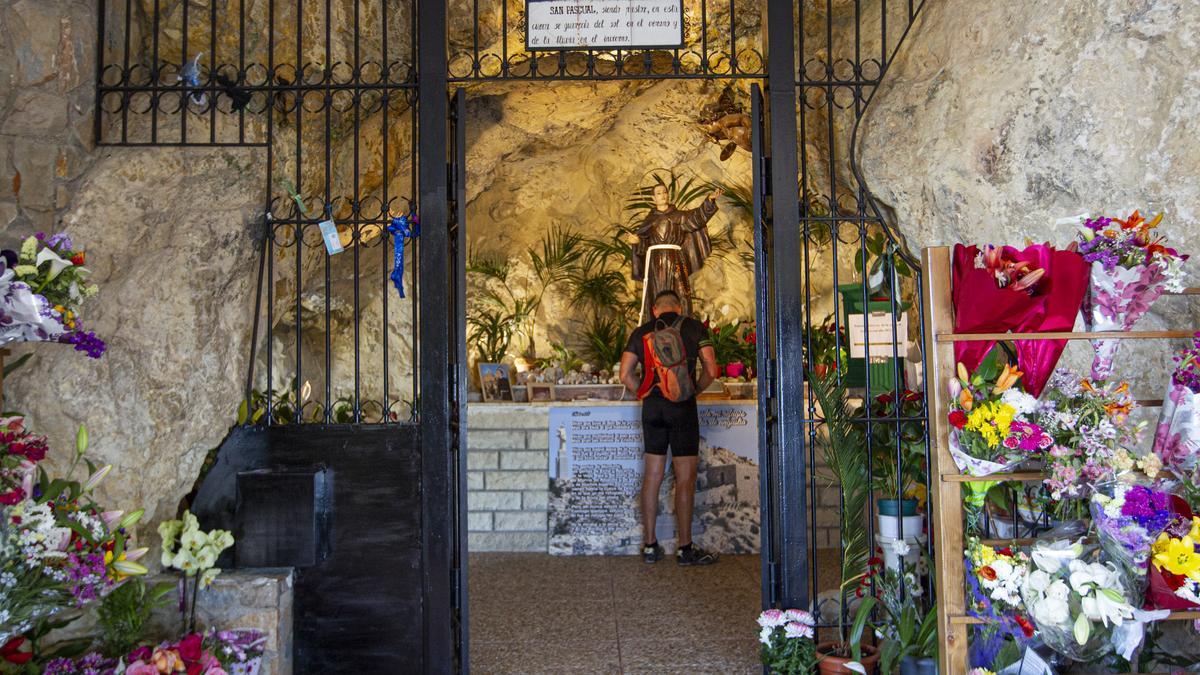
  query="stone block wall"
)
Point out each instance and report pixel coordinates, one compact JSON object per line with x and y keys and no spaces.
{"x":507,"y":476}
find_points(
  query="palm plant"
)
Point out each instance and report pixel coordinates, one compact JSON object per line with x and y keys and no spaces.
{"x":845,"y":452}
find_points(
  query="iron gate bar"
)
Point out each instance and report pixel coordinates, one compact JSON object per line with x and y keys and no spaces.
{"x":786,"y":396}
{"x":438,"y":498}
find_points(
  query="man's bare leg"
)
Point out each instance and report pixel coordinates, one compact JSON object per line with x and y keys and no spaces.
{"x":685,"y":496}
{"x":652,"y":479}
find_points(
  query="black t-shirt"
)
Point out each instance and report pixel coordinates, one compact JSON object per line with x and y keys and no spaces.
{"x":695,"y":335}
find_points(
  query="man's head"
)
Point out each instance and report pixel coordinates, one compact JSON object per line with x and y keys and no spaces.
{"x":662,"y":198}
{"x":666,"y":302}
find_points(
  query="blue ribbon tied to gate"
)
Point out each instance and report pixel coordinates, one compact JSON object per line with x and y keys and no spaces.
{"x":401,"y":228}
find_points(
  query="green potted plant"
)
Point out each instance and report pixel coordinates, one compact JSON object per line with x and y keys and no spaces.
{"x":897,"y":459}
{"x":844,"y":449}
{"x":830,"y":346}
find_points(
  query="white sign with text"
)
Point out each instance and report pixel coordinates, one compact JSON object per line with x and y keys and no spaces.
{"x":603,"y":24}
{"x":881,"y":326}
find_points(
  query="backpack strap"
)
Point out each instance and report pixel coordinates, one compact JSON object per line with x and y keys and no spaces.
{"x":649,"y":366}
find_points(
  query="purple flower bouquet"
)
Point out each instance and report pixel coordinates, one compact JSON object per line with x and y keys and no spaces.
{"x":1177,"y":437}
{"x":41,"y":288}
{"x":1128,"y":519}
{"x":1130,"y":269}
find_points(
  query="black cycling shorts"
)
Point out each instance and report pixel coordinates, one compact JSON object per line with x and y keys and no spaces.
{"x":674,"y":425}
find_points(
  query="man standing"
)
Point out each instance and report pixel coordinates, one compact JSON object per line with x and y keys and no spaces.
{"x":668,"y":424}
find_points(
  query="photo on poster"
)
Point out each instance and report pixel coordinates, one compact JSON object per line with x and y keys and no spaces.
{"x":495,"y":381}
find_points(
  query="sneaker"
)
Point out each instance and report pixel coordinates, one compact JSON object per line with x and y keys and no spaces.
{"x":694,"y":555}
{"x":652,"y":554}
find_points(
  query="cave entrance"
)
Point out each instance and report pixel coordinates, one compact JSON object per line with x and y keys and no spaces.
{"x":548,"y":194}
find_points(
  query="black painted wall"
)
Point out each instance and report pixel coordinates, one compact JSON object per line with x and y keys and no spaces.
{"x":360,"y":609}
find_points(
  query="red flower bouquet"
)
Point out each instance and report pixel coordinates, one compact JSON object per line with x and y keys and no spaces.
{"x":1003,"y":289}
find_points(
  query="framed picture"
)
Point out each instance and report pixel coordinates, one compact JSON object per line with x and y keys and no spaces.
{"x":495,"y":381}
{"x":541,"y":392}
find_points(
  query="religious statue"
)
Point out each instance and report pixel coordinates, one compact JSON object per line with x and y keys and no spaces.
{"x":683,"y":238}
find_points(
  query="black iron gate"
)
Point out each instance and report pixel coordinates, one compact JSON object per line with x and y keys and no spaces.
{"x":258,"y":74}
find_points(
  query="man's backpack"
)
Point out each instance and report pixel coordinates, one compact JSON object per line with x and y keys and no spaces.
{"x":665,"y":356}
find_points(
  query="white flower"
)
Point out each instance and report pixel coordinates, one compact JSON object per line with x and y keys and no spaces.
{"x":798,"y":630}
{"x":1050,"y":612}
{"x":800,"y":616}
{"x":1106,"y":606}
{"x":901,"y":547}
{"x":1058,"y":591}
{"x":1023,"y":403}
{"x":772,"y":618}
{"x":1050,"y":556}
{"x":764,"y":636}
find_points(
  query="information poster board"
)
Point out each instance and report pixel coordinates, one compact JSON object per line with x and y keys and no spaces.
{"x":883,"y":329}
{"x":603,"y":24}
{"x":596,"y":477}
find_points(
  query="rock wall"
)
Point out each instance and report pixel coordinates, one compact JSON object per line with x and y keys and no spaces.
{"x":169,"y":240}
{"x":998,"y":118}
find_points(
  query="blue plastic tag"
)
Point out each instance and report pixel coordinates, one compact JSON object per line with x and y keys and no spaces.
{"x":333,"y":240}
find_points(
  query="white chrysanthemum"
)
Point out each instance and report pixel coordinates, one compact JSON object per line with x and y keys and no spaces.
{"x":1023,"y":403}
{"x":797,"y":630}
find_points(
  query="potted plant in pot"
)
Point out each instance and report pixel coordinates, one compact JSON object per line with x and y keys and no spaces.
{"x":844,"y":449}
{"x":897,"y":458}
{"x":830,"y":345}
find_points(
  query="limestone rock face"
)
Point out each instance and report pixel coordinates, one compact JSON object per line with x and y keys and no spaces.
{"x":989,"y":129}
{"x":169,"y":240}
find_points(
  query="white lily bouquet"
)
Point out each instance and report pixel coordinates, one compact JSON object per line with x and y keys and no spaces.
{"x":193,"y":552}
{"x":1075,"y":604}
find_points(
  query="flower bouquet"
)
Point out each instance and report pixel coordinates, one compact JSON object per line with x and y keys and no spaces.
{"x":1128,"y":519}
{"x":59,"y":549}
{"x":1000,"y":572}
{"x":41,"y":289}
{"x":1130,"y":269}
{"x":787,"y":641}
{"x":1075,"y":604}
{"x":990,"y":431}
{"x":1175,"y":566}
{"x":1091,"y":426}
{"x":1177,"y":436}
{"x":1002,"y":289}
{"x":241,"y":651}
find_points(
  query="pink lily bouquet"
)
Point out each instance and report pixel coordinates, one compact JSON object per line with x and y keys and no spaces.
{"x":1130,"y":269}
{"x":1177,"y":436}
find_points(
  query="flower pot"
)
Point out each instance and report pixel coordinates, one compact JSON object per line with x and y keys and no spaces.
{"x":836,"y":665}
{"x":888,"y":507}
{"x":892,"y":559}
{"x":913,"y":665}
{"x":890,"y":524}
{"x":735,"y":369}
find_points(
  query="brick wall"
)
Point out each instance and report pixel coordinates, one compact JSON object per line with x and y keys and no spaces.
{"x":507,"y":476}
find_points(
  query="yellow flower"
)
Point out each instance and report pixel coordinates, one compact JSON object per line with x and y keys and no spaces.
{"x":1179,"y":558}
{"x":1160,"y":544}
{"x":1195,"y":533}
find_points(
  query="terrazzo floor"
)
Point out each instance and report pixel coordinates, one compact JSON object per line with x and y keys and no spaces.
{"x":536,"y":613}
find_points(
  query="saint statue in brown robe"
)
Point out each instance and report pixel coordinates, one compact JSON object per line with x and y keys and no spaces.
{"x":670,"y":269}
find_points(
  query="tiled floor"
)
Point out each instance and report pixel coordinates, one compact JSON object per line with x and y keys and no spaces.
{"x":536,"y":613}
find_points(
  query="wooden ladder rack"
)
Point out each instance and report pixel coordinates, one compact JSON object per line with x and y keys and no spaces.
{"x":946,"y":501}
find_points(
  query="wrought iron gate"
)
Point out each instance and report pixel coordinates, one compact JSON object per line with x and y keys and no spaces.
{"x":177,"y":73}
